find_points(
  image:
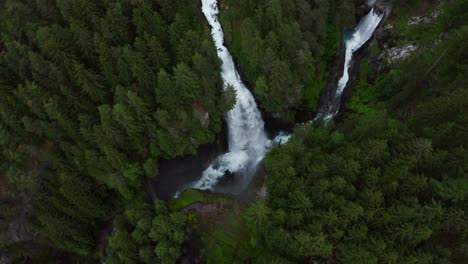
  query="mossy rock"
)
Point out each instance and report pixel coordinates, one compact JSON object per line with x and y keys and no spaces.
{"x":192,"y":196}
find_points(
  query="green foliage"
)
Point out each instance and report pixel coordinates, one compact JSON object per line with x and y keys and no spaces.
{"x":229,"y":243}
{"x":431,"y":74}
{"x":257,"y":214}
{"x":364,"y":99}
{"x":94,"y":94}
{"x":283,"y":47}
{"x":192,"y":196}
{"x":68,"y":211}
{"x":168,"y":232}
{"x":433,"y":71}
{"x":144,"y":235}
{"x":229,"y":98}
{"x":359,"y":198}
{"x":386,"y":185}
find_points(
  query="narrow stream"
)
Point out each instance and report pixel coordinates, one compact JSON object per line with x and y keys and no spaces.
{"x":248,"y":142}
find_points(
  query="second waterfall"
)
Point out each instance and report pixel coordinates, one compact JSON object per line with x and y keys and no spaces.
{"x":361,"y":34}
{"x":248,"y":142}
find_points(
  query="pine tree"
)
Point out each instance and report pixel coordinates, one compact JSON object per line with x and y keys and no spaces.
{"x":89,"y":82}
{"x":258,"y":214}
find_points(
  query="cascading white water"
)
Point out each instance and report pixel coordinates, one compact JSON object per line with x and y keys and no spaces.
{"x":248,"y":142}
{"x":362,"y":33}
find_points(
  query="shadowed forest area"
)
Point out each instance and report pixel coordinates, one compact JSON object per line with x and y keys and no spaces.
{"x":93,"y":94}
{"x":388,"y":183}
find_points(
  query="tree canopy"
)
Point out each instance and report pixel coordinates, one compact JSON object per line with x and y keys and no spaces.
{"x":94,"y":93}
{"x":284,"y":48}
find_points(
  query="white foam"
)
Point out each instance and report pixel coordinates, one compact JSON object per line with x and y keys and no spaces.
{"x":281,"y":139}
{"x":362,"y":33}
{"x":229,"y":162}
{"x":248,"y":142}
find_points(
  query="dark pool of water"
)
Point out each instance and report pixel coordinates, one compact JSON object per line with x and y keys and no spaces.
{"x":175,"y":173}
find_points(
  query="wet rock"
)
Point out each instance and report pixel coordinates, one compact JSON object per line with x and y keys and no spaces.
{"x":5,"y":260}
{"x":363,"y":7}
{"x":228,"y":179}
{"x":384,"y":34}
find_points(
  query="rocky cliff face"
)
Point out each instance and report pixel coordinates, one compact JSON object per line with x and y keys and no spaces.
{"x":363,"y":7}
{"x":395,"y":48}
{"x":403,"y":33}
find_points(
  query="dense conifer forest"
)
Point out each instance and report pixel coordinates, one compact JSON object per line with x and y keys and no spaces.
{"x":95,"y":93}
{"x":286,"y":44}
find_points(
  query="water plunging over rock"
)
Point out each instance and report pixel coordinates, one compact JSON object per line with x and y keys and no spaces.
{"x":330,"y":101}
{"x":247,"y":139}
{"x":361,"y":34}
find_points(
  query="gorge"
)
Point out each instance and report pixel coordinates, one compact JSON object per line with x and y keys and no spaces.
{"x":290,"y":131}
{"x":247,"y":140}
{"x":353,"y":42}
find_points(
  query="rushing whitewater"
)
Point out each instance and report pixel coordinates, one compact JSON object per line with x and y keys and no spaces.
{"x":362,"y":33}
{"x":248,"y":142}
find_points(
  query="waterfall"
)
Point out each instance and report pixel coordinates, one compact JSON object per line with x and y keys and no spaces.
{"x":362,"y":33}
{"x":247,"y":139}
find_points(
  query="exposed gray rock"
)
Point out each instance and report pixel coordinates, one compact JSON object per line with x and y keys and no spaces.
{"x":5,"y":260}
{"x":398,"y":54}
{"x":425,"y":19}
{"x":263,"y":193}
{"x":439,"y":39}
{"x":362,"y":8}
{"x":388,"y":27}
{"x":205,"y":119}
{"x":384,"y":34}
